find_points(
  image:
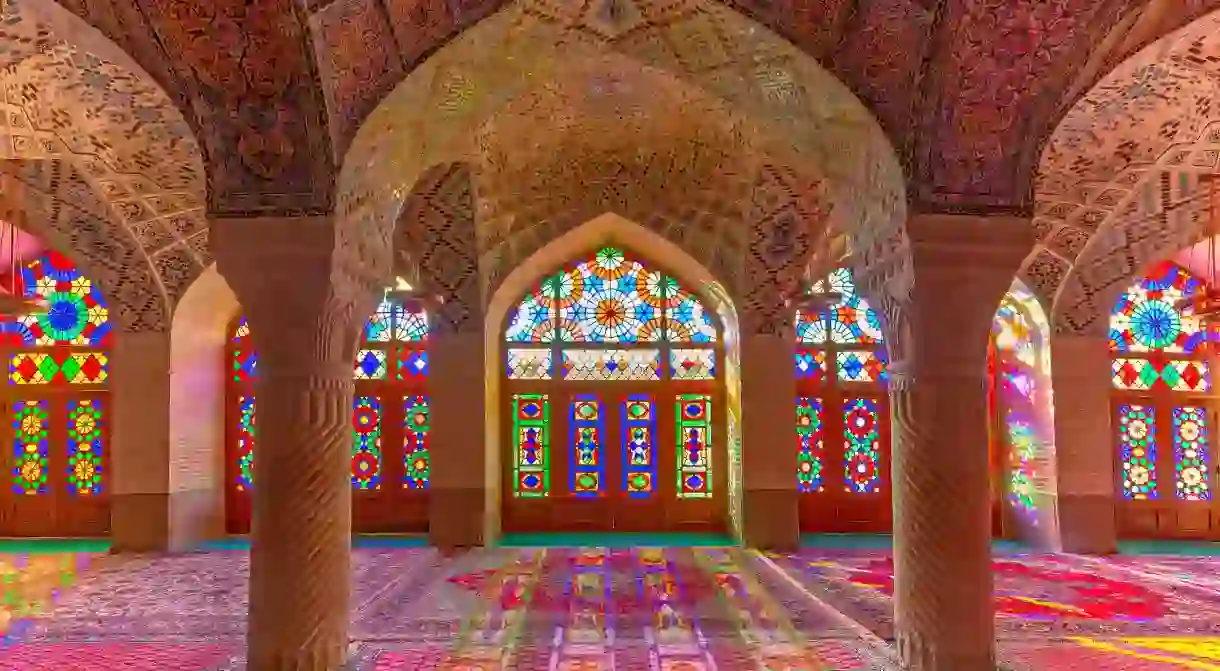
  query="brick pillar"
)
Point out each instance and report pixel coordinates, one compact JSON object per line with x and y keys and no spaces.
{"x":768,"y":426}
{"x":139,"y":442}
{"x":939,"y":313}
{"x":459,"y":491}
{"x":1084,"y":445}
{"x":306,"y":328}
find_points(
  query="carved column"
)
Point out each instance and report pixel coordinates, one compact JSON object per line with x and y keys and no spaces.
{"x":1084,"y":445}
{"x":768,"y":393}
{"x":305,"y":325}
{"x":939,"y":313}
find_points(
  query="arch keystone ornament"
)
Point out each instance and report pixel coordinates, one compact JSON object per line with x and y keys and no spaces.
{"x":305,"y":327}
{"x":942,"y":525}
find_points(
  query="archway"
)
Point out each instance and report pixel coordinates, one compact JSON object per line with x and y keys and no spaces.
{"x":842,"y":415}
{"x":614,"y":382}
{"x":57,"y":406}
{"x":1022,"y":421}
{"x":390,"y":459}
{"x":1163,"y":410}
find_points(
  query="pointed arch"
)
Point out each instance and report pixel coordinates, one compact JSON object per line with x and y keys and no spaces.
{"x":1022,"y":446}
{"x":681,"y":344}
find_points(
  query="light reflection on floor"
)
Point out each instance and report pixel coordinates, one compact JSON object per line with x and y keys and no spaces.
{"x":592,"y":609}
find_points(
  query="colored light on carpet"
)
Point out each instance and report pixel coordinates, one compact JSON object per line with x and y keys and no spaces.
{"x":113,"y":656}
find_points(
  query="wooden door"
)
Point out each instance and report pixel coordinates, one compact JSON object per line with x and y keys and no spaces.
{"x":1168,"y":429}
{"x":613,"y":460}
{"x":59,"y":466}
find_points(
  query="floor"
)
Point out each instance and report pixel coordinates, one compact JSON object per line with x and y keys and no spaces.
{"x":828,"y":607}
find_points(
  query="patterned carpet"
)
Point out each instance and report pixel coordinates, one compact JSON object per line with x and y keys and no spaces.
{"x":528,"y":609}
{"x":1053,"y":611}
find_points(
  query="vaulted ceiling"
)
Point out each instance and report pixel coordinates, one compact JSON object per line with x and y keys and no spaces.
{"x":968,"y":90}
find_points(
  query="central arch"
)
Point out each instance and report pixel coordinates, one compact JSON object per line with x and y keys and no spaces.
{"x":609,"y":350}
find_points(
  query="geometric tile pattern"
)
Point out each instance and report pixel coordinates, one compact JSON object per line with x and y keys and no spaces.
{"x":1123,"y":181}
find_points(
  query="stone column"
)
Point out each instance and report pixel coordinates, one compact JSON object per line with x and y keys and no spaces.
{"x":462,"y":477}
{"x":305,"y":326}
{"x":768,"y":393}
{"x":939,"y":312}
{"x":1084,"y":445}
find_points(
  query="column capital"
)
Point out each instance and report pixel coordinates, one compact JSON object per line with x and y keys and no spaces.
{"x":303,"y":308}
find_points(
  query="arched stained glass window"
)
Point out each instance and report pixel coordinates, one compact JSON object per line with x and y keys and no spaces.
{"x":610,"y":318}
{"x":58,"y":365}
{"x":842,"y":413}
{"x":1161,"y":375}
{"x":390,"y":421}
{"x":1019,"y":398}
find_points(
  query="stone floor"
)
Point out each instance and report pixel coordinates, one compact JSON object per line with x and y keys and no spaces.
{"x":589,"y":609}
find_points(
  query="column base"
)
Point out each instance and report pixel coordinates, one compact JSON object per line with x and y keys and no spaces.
{"x":1087,"y":524}
{"x":456,"y":517}
{"x":771,"y":520}
{"x":320,"y":657}
{"x":916,"y":654}
{"x":163,"y":522}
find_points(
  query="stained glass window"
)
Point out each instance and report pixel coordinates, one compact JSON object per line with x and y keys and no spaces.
{"x":31,"y":449}
{"x":531,"y":432}
{"x":85,"y":446}
{"x":58,"y":369}
{"x":839,"y":355}
{"x":366,"y":442}
{"x":416,"y":459}
{"x":1159,"y":364}
{"x":1147,"y":318}
{"x":862,"y":446}
{"x":611,"y":318}
{"x":390,"y":372}
{"x":1190,"y":445}
{"x":639,"y":428}
{"x":694,"y":413}
{"x":1138,"y":447}
{"x":809,"y":444}
{"x":588,"y":428}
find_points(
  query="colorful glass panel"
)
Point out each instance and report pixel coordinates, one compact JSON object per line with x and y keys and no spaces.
{"x":686,"y":320}
{"x":30,"y":447}
{"x":412,"y":364}
{"x":609,"y":299}
{"x":533,"y":319}
{"x":410,"y":326}
{"x":366,"y":442}
{"x":245,"y":443}
{"x":1174,"y":375}
{"x":76,"y":315}
{"x":370,"y":364}
{"x":587,"y":425}
{"x":639,"y":446}
{"x":694,"y":413}
{"x":1146,"y":318}
{"x":59,"y":367}
{"x":809,"y":456}
{"x":692,"y":364}
{"x":416,"y":457}
{"x":528,"y":363}
{"x":85,"y":446}
{"x":245,"y":365}
{"x":861,"y":366}
{"x":611,"y":364}
{"x":1190,"y":446}
{"x":861,"y":446}
{"x":1137,"y":451}
{"x":811,"y":365}
{"x":379,"y":327}
{"x":532,"y":442}
{"x":850,"y":321}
